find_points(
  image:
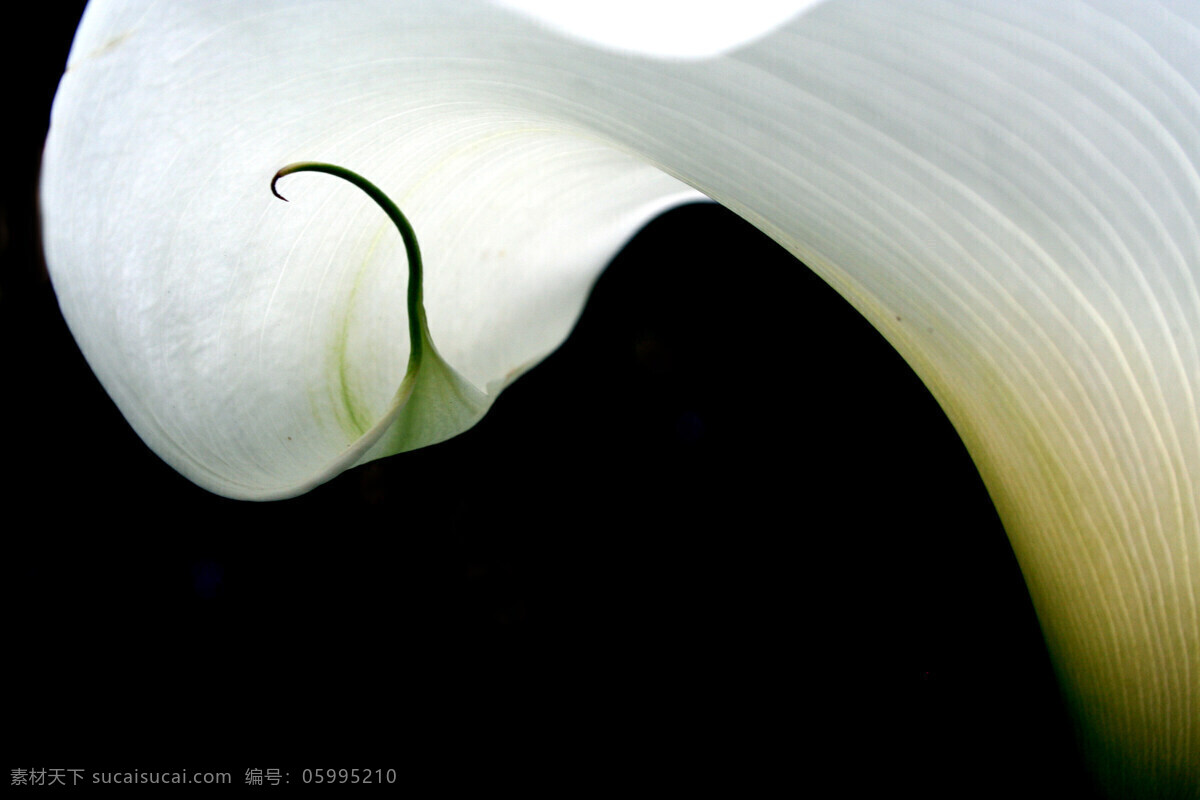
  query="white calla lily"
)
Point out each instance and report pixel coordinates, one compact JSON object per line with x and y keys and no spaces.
{"x":1007,"y":191}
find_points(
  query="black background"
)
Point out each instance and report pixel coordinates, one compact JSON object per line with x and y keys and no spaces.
{"x":657,"y":563}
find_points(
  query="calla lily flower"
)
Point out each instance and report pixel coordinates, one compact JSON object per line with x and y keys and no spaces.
{"x":1007,"y":191}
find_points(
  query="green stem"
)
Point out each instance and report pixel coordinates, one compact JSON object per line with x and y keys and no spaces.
{"x":416,"y":304}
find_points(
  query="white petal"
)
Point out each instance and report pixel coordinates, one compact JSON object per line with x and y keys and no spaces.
{"x":665,"y":28}
{"x":1007,"y":191}
{"x":252,"y":344}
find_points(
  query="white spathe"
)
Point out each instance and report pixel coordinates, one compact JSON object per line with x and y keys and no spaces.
{"x":1008,"y":191}
{"x":663,"y":28}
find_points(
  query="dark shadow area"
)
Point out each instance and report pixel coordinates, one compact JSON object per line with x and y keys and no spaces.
{"x":721,"y":539}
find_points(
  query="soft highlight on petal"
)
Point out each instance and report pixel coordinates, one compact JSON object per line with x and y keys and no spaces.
{"x":664,"y":28}
{"x":1007,"y":191}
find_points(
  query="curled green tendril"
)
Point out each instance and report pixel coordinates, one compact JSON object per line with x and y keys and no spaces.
{"x":416,"y":305}
{"x":433,"y":402}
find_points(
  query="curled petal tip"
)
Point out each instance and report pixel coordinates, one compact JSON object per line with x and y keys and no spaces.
{"x":275,"y":180}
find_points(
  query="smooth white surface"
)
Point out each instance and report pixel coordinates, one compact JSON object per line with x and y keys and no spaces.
{"x":664,"y":28}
